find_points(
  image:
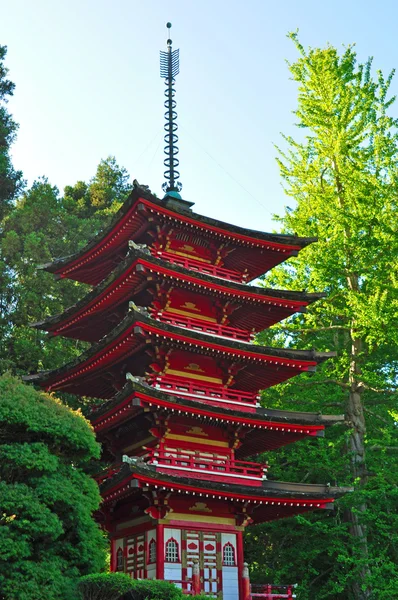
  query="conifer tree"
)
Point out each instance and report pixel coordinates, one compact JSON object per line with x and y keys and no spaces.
{"x":44,"y":225}
{"x":10,"y":180}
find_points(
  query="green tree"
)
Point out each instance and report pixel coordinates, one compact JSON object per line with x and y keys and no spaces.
{"x":105,"y":193}
{"x":48,"y":537}
{"x":10,"y":180}
{"x":42,"y":226}
{"x":343,"y":175}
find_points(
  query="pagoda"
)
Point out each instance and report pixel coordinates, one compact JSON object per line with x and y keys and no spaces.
{"x":171,"y":320}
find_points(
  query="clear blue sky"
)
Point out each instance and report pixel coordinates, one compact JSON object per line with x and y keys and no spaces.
{"x":88,"y":85}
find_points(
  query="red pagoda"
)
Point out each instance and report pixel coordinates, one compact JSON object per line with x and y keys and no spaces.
{"x":171,"y":321}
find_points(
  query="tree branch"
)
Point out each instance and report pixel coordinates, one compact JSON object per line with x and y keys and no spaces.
{"x":315,"y":330}
{"x":390,"y":448}
{"x":370,"y":412}
{"x":377,"y":390}
{"x":320,"y":575}
{"x":345,"y":386}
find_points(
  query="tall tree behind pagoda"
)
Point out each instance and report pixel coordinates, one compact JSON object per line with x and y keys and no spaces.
{"x":344,"y":177}
{"x":10,"y":183}
{"x":43,"y":225}
{"x":10,"y":180}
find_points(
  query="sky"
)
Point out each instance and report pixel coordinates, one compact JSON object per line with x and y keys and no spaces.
{"x":88,"y":86}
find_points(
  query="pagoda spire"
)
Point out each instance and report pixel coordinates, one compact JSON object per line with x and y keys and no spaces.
{"x":169,"y":69}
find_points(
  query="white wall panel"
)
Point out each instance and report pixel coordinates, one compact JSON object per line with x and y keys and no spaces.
{"x":173,"y":572}
{"x":230,"y":584}
{"x":119,"y":543}
{"x":172,"y":533}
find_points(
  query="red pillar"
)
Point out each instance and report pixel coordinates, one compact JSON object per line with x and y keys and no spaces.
{"x":195,"y":578}
{"x":246,"y":583}
{"x":159,"y":551}
{"x":113,"y":556}
{"x":239,"y":556}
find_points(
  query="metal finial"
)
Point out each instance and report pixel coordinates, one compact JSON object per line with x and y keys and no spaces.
{"x":169,"y":69}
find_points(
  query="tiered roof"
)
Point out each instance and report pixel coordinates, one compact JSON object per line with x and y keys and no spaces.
{"x":96,"y":314}
{"x":143,"y":257}
{"x":143,"y":215}
{"x":99,"y":371}
{"x":273,"y":500}
{"x":264,"y":428}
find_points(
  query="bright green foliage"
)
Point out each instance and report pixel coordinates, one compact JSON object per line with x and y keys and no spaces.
{"x":344,"y":178}
{"x":10,"y":180}
{"x":104,"y":586}
{"x":343,"y":175}
{"x":48,"y":537}
{"x":43,"y":226}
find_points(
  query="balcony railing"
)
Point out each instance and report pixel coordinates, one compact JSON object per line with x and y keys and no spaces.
{"x":272,"y":592}
{"x":193,"y":324}
{"x":212,"y":464}
{"x":195,"y":390}
{"x":201,"y":267}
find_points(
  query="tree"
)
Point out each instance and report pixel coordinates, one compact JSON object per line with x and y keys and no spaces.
{"x":343,"y":175}
{"x":42,"y":226}
{"x":10,"y":180}
{"x":48,"y":537}
{"x":105,"y":193}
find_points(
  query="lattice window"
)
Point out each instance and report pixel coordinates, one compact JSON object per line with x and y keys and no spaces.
{"x":228,"y":555}
{"x":172,"y":551}
{"x":152,"y":551}
{"x":119,"y":560}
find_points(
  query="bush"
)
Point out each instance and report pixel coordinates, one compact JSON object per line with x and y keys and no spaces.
{"x":119,"y":586}
{"x":48,"y":537}
{"x":104,"y":586}
{"x":153,"y":589}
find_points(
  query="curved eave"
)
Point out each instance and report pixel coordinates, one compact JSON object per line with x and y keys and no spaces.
{"x":138,"y":394}
{"x":65,"y":266}
{"x":266,"y":429}
{"x":119,"y":287}
{"x":122,"y":342}
{"x":131,"y":478}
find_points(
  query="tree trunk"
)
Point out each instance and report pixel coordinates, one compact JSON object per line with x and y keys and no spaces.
{"x":356,"y":417}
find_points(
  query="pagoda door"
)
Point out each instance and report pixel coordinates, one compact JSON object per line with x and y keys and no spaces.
{"x":205,"y":547}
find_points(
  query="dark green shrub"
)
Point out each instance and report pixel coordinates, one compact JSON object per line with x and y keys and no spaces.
{"x":153,"y":589}
{"x":104,"y":586}
{"x":48,"y":537}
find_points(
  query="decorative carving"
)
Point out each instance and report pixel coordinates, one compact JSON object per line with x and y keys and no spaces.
{"x":243,"y":519}
{"x":190,"y":306}
{"x":158,"y":505}
{"x":194,"y":367}
{"x":140,"y":309}
{"x":197,"y":431}
{"x":140,"y":247}
{"x":135,"y":378}
{"x":209,"y":547}
{"x":200,"y":507}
